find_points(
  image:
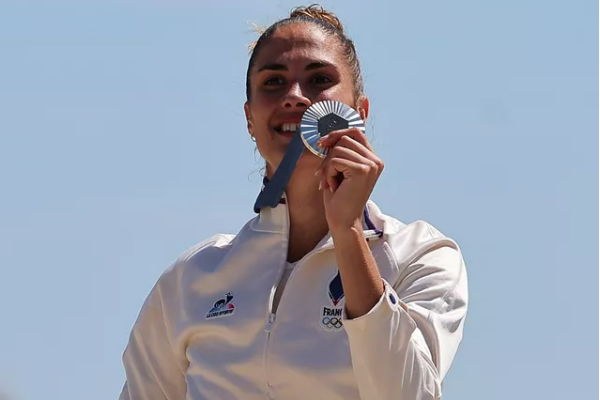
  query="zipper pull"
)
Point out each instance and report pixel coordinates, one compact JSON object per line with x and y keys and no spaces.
{"x":270,"y":322}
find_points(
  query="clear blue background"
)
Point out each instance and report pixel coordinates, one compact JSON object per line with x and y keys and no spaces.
{"x":123,"y":142}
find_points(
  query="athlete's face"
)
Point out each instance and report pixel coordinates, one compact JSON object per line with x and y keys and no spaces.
{"x":298,"y":66}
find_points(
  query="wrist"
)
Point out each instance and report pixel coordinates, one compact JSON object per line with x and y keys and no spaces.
{"x":347,"y":229}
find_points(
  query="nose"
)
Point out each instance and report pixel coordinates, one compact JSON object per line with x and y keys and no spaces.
{"x":294,"y":98}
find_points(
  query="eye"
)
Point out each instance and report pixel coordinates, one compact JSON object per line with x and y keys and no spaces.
{"x":273,"y":81}
{"x":321,"y":79}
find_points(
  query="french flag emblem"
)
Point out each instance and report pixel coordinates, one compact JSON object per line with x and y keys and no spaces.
{"x":336,"y":291}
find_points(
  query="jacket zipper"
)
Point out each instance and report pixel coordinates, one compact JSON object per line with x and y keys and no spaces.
{"x":269,"y":327}
{"x":272,"y":315}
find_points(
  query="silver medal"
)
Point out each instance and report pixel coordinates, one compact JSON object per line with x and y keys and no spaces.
{"x":324,"y":117}
{"x":318,"y":120}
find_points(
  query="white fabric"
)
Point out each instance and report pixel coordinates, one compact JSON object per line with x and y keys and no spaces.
{"x":400,"y":350}
{"x":287,"y":271}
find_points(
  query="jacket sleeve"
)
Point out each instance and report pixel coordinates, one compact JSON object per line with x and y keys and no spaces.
{"x":153,"y":370}
{"x":403,"y":348}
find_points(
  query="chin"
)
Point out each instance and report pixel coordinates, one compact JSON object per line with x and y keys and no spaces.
{"x":309,"y":160}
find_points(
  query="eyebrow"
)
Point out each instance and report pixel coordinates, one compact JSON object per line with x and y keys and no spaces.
{"x":282,"y":67}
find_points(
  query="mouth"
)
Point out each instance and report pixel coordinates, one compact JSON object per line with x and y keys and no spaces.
{"x":287,"y":129}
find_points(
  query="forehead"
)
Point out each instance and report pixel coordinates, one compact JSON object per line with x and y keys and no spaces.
{"x":298,"y":42}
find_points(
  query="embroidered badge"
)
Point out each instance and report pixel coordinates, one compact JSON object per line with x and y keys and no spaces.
{"x":222,"y":307}
{"x":331,"y":317}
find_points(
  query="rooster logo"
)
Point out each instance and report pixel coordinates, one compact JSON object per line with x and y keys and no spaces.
{"x":222,"y":307}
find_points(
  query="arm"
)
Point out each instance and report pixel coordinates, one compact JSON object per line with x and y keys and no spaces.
{"x":153,"y":371}
{"x":363,"y":286}
{"x":402,"y":338}
{"x":403,"y":345}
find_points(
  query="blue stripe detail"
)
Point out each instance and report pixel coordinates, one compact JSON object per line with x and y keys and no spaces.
{"x":370,"y":223}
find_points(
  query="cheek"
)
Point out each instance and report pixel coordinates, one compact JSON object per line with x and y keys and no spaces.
{"x":260,"y":116}
{"x":337,"y":92}
{"x":263,"y":106}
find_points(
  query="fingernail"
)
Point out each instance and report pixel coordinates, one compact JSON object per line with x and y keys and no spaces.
{"x":331,"y":188}
{"x":320,"y":185}
{"x":317,"y":172}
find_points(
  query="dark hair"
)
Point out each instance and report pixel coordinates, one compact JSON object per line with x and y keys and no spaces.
{"x":329,"y":23}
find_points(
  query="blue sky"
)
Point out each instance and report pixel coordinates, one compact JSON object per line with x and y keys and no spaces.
{"x":123,"y":142}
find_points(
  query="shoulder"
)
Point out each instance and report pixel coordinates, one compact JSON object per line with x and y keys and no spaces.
{"x":425,"y":255}
{"x":216,"y":245}
{"x":411,"y":241}
{"x":203,"y":256}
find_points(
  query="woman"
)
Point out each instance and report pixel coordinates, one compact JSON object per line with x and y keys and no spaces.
{"x":372,"y":309}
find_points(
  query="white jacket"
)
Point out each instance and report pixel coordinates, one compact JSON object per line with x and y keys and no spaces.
{"x":206,"y":331}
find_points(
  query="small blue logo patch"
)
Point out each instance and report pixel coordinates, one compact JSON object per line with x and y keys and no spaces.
{"x":336,"y":290}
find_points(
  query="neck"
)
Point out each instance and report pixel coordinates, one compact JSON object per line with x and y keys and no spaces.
{"x":308,"y":224}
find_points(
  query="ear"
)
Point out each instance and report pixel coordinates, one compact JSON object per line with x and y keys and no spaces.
{"x":363,"y":107}
{"x":248,"y":118}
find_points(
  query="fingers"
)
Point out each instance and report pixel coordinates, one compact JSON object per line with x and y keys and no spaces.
{"x":346,"y":135}
{"x":336,"y":170}
{"x":348,"y":143}
{"x":342,"y":163}
{"x":349,"y":155}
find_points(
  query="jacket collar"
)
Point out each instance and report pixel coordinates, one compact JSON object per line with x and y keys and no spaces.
{"x":276,"y":220}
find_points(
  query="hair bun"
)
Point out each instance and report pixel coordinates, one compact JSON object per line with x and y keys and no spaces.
{"x":317,"y":12}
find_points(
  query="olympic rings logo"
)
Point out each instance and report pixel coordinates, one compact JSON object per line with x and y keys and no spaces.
{"x":332,"y":322}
